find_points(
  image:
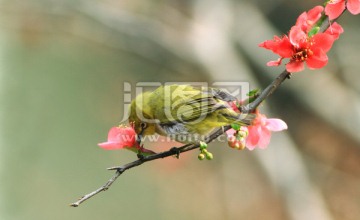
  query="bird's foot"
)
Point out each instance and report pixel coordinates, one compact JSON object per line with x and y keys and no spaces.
{"x":288,"y":76}
{"x":176,"y":151}
{"x":140,"y":156}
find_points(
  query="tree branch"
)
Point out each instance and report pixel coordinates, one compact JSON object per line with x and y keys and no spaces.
{"x":266,"y":93}
{"x":188,"y":147}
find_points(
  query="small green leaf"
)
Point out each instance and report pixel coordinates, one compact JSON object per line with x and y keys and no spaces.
{"x":236,"y":127}
{"x":252,"y":98}
{"x":314,"y":31}
{"x":253,"y":92}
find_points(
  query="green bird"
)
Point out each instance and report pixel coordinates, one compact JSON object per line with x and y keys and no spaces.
{"x":184,"y":113}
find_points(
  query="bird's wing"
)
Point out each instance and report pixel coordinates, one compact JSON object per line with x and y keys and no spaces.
{"x":199,"y":108}
{"x":176,"y":128}
{"x":184,"y":103}
{"x":222,"y":95}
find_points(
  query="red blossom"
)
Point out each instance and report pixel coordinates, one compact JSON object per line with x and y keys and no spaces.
{"x":123,"y":137}
{"x":119,"y":138}
{"x":299,"y":47}
{"x":334,"y":8}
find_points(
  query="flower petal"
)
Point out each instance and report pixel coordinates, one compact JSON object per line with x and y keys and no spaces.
{"x":230,"y":132}
{"x":113,"y":134}
{"x":334,"y":10}
{"x":353,"y":6}
{"x":297,"y":36}
{"x":307,"y":19}
{"x":295,"y":66}
{"x":301,"y":20}
{"x":111,"y":145}
{"x":275,"y":124}
{"x":314,"y":14}
{"x":274,"y":62}
{"x":253,"y":137}
{"x":120,"y":137}
{"x":127,"y":139}
{"x":323,"y":41}
{"x":318,"y":60}
{"x":281,"y":46}
{"x":334,"y":30}
{"x":265,"y":137}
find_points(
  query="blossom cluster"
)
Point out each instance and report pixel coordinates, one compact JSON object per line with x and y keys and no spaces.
{"x":304,"y":43}
{"x":124,"y":137}
{"x":258,"y":134}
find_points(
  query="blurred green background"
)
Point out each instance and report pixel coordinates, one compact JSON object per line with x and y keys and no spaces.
{"x":62,"y":69}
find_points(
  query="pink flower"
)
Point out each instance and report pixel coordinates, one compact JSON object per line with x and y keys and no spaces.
{"x":119,"y":138}
{"x":334,"y":8}
{"x":299,"y":47}
{"x":123,"y":137}
{"x":260,"y":131}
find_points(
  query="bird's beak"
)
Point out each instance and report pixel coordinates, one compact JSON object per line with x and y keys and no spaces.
{"x":140,"y":136}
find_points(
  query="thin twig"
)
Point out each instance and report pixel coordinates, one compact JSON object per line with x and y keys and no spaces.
{"x":103,"y":188}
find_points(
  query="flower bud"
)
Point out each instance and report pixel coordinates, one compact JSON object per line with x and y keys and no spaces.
{"x":231,"y":141}
{"x":203,"y":145}
{"x":243,"y":133}
{"x":240,"y":144}
{"x":201,"y":156}
{"x":237,"y":142}
{"x":209,"y":156}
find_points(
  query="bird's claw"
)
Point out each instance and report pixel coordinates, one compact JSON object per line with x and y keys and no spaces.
{"x":176,"y":151}
{"x":140,"y":156}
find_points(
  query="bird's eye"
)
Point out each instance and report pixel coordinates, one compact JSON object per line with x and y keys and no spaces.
{"x":143,"y":125}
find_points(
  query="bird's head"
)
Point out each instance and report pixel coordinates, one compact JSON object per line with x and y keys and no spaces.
{"x":141,"y":116}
